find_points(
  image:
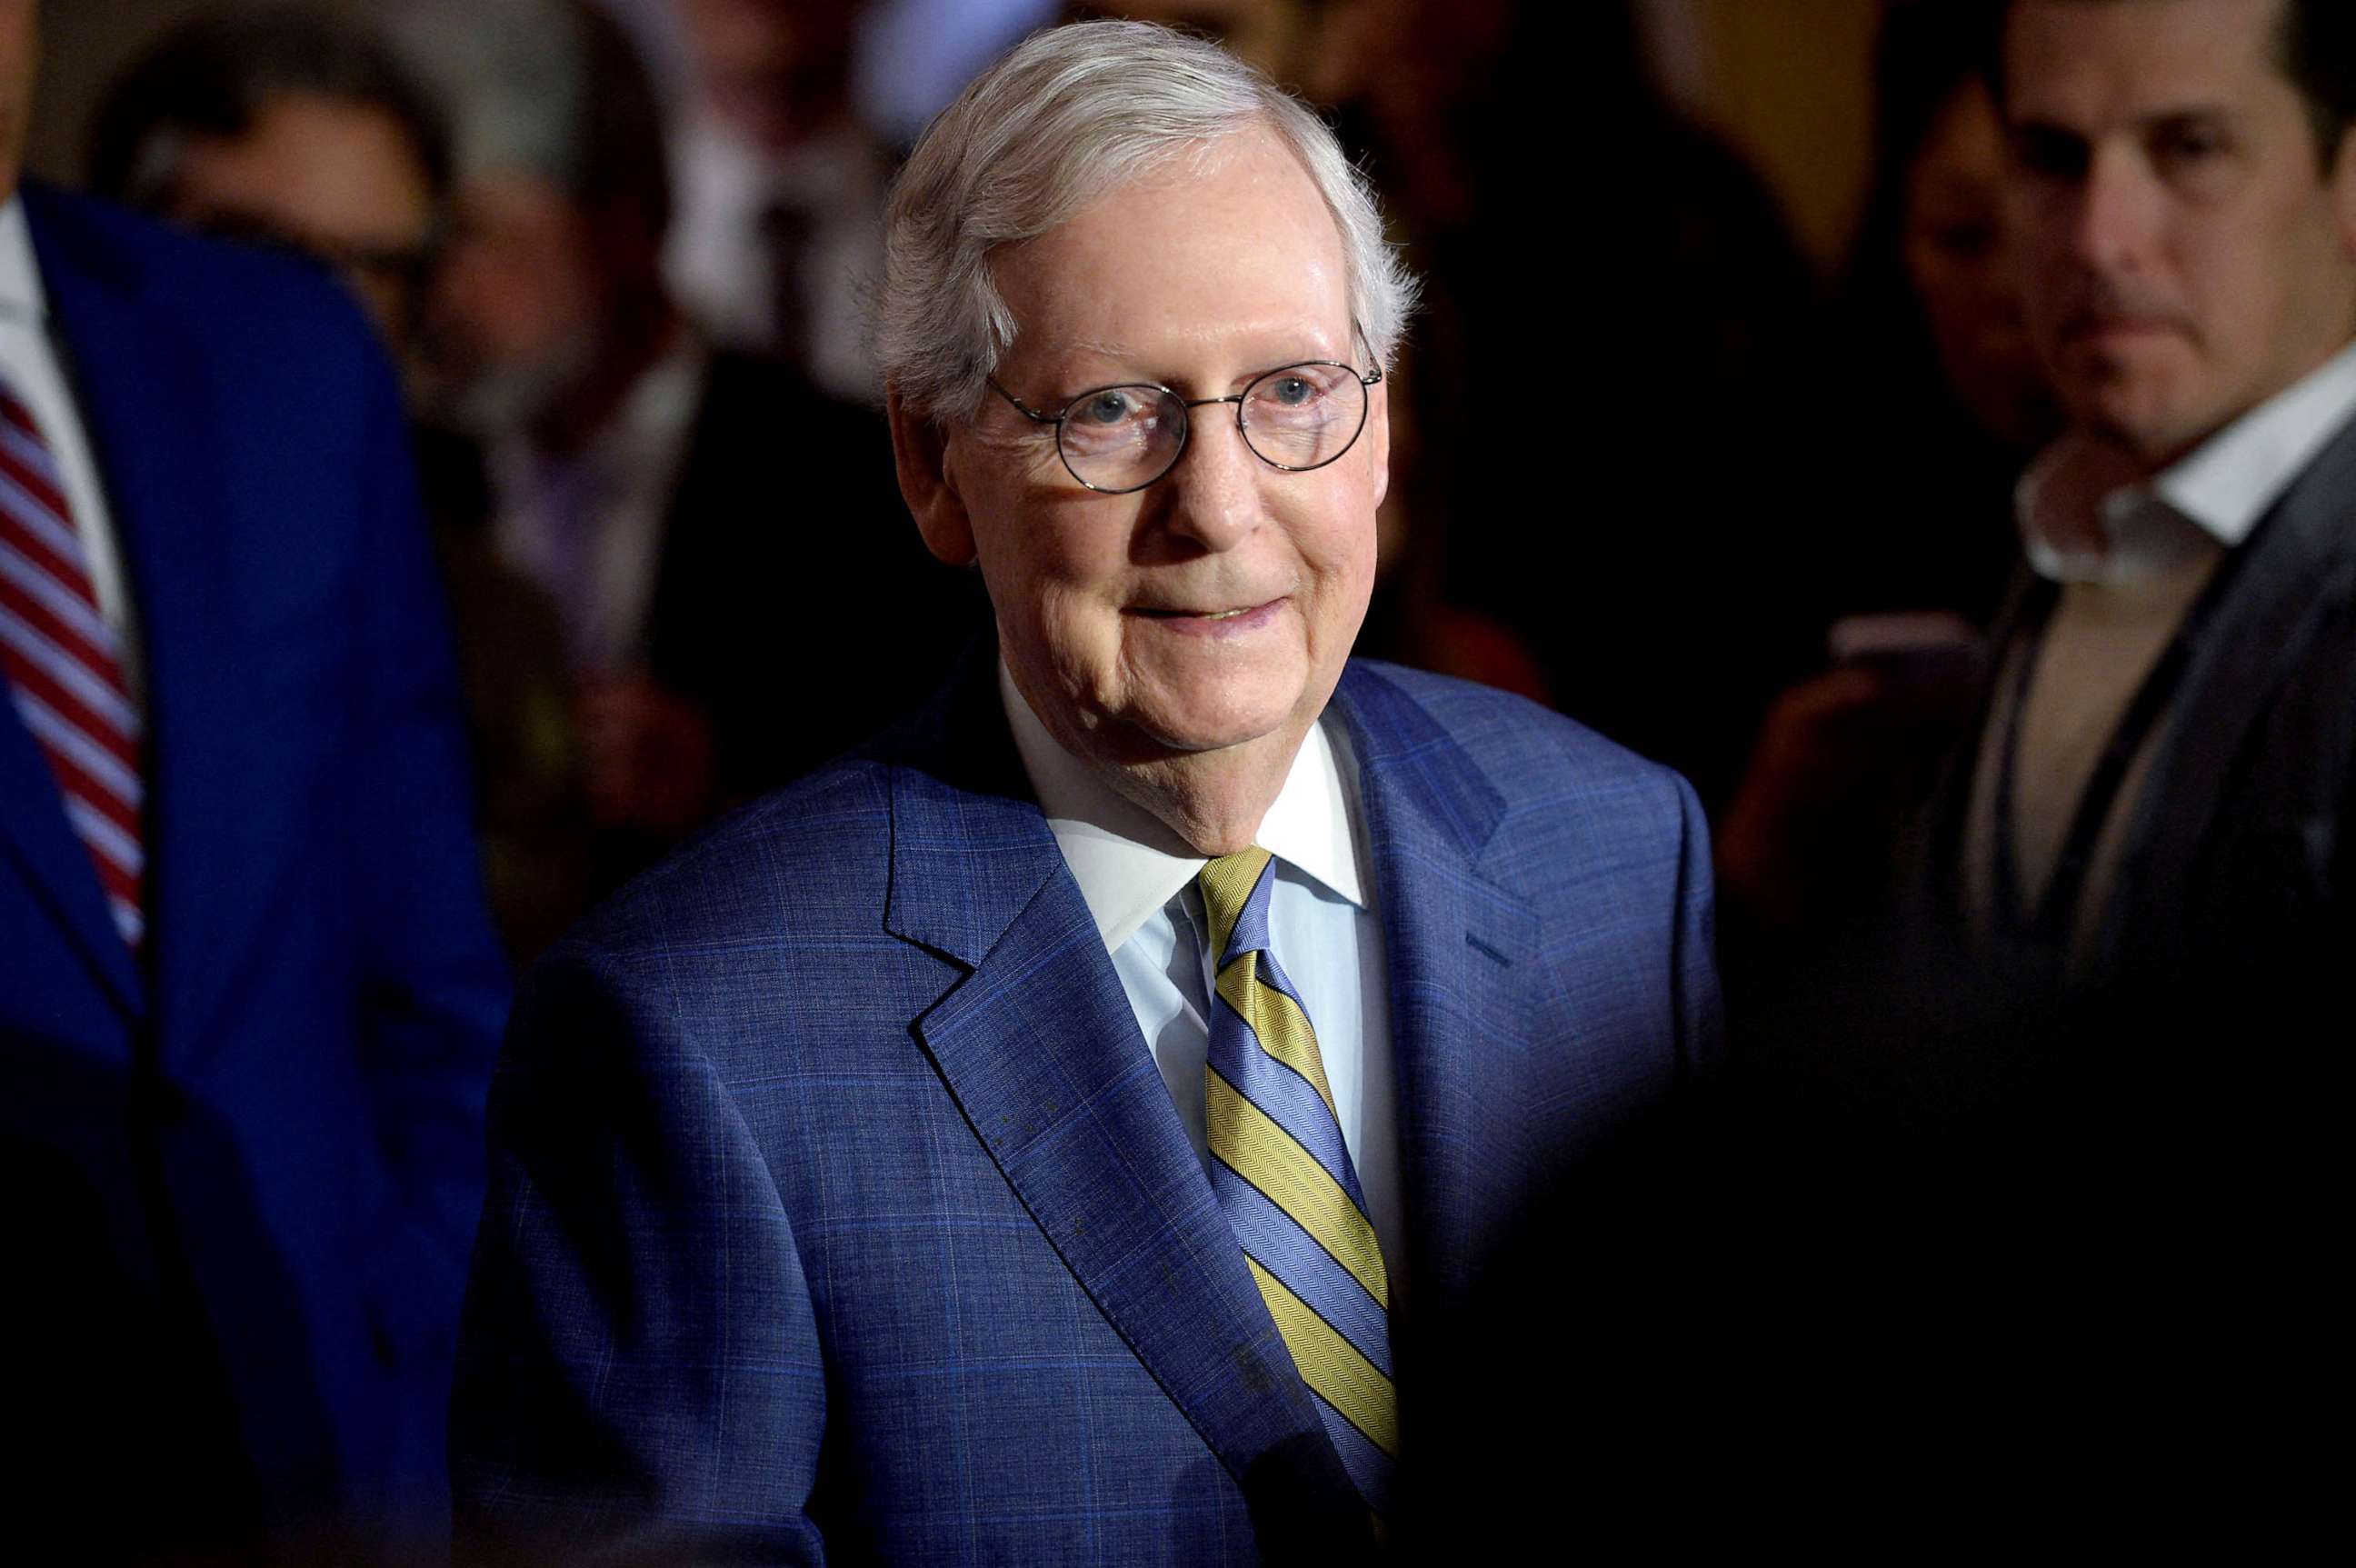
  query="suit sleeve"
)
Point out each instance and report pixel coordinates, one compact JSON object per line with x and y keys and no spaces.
{"x":639,"y":1376}
{"x":1693,"y":961}
{"x":433,"y":986}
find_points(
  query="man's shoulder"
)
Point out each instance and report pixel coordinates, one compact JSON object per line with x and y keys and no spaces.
{"x":1548,"y":804}
{"x":274,"y":303}
{"x":1516,"y":744}
{"x":811,"y":860}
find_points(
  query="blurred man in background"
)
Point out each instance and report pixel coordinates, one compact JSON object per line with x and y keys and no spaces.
{"x":248,"y":990}
{"x":684,"y":506}
{"x":2158,"y":793}
{"x":291,"y":126}
{"x":283,"y":125}
{"x":780,"y":186}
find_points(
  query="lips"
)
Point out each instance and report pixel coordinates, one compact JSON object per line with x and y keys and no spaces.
{"x":1159,"y":613}
{"x":1215,"y":622}
{"x":2109,"y":326}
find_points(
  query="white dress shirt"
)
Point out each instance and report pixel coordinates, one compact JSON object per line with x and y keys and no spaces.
{"x":29,"y":363}
{"x":2130,"y":558}
{"x":2078,"y":525}
{"x":1138,"y":879}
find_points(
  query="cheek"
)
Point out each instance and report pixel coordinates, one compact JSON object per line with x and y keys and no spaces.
{"x":1339,"y":553}
{"x":1057,"y":589}
{"x":2236,"y":306}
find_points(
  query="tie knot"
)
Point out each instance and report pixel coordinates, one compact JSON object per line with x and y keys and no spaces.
{"x":1235,"y":892}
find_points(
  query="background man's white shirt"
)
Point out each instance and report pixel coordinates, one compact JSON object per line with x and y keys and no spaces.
{"x":2131,"y":560}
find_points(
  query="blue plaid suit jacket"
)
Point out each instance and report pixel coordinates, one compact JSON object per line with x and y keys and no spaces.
{"x":839,"y":1211}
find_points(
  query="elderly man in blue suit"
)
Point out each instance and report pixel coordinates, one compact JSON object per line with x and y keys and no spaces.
{"x":1068,"y":1130}
{"x":248,"y":994}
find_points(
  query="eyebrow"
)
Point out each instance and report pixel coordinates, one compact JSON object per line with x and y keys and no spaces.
{"x":1121,"y":353}
{"x":2175,"y":114}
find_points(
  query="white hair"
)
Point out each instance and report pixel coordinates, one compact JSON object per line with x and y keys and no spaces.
{"x":1071,"y":115}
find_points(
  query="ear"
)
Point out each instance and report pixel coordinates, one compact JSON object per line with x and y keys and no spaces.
{"x":1379,"y":430}
{"x":920,"y":455}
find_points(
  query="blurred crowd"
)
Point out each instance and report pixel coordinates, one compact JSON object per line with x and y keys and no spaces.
{"x":618,"y":251}
{"x":1651,"y":467}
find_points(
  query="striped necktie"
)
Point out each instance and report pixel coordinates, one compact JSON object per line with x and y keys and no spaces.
{"x":64,"y":666}
{"x":1284,"y":1175}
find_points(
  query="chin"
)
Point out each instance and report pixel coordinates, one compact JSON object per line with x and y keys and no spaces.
{"x":1192,"y":734}
{"x":1196,"y":720}
{"x":2154,"y":430}
{"x":2146,"y":413}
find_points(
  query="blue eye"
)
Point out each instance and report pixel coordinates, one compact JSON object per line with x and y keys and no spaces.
{"x":1299,"y":397}
{"x":1105,"y":408}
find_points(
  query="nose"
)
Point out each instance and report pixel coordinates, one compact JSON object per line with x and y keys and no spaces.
{"x":2117,"y":211}
{"x":1214,"y":492}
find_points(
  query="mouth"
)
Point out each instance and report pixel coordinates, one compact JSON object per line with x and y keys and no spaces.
{"x":1198,"y":616}
{"x":2102,"y":326}
{"x":1237,"y":617}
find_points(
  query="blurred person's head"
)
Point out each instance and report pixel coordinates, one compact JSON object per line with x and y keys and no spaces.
{"x":1270,"y":35}
{"x":1958,"y":260}
{"x":772,"y":70}
{"x":1935,"y":273}
{"x":2182,"y":182}
{"x":550,"y":297}
{"x":1112,"y":219}
{"x":290,"y":126}
{"x":18,"y":33}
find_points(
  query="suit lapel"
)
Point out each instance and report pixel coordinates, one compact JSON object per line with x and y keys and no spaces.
{"x":2300,"y":565}
{"x":141,"y":388}
{"x":1453,"y":940}
{"x":1934,"y":873}
{"x":1039,"y":1050}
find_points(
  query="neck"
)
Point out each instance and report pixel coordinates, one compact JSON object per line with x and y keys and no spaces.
{"x":1212,"y":800}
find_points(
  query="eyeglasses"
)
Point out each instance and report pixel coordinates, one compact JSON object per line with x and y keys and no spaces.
{"x":1121,"y":438}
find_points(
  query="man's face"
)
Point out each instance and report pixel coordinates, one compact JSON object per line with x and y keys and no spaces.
{"x":514,"y":321}
{"x":1218,"y":605}
{"x":2186,"y":256}
{"x":340,"y":180}
{"x":16,"y":57}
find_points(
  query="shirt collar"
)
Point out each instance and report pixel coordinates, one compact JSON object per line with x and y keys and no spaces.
{"x":2213,"y":496}
{"x":21,"y":295}
{"x":1129,"y":863}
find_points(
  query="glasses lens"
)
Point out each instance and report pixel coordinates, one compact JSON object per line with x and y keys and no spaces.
{"x":1120,"y":438}
{"x":1304,"y":416}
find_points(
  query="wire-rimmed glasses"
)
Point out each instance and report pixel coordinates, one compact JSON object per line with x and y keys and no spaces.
{"x":1116,"y":439}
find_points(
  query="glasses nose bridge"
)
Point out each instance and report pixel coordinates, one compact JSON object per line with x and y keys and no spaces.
{"x":1191,"y":403}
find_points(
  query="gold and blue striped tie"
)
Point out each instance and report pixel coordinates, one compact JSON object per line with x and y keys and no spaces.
{"x":1284,"y":1175}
